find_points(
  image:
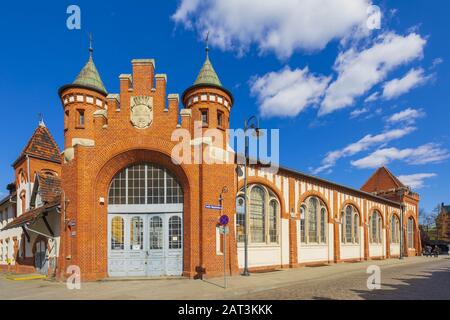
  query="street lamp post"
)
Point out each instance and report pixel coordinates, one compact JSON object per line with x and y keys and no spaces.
{"x":250,"y":123}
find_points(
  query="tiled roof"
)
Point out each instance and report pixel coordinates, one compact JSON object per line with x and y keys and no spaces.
{"x":382,"y":180}
{"x":41,"y":145}
{"x":30,"y":216}
{"x":49,"y":188}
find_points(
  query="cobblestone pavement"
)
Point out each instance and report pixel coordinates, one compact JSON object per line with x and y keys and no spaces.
{"x":421,"y":281}
{"x":411,"y":278}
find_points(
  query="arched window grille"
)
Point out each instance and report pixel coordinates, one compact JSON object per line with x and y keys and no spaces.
{"x":145,"y":184}
{"x":350,"y":225}
{"x":375,"y":227}
{"x":175,"y":232}
{"x":410,"y":231}
{"x":156,"y":233}
{"x":263,"y":216}
{"x":395,"y":229}
{"x":313,"y":221}
{"x":117,"y":234}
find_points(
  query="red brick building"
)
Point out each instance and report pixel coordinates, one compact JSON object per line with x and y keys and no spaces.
{"x":125,"y":207}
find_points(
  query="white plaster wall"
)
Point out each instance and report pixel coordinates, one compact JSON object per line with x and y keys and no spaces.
{"x":312,"y":253}
{"x":395,"y":249}
{"x":260,"y":256}
{"x":285,"y":241}
{"x":375,"y":250}
{"x":350,"y":251}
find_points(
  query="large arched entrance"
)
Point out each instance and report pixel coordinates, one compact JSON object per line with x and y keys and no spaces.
{"x":145,"y":222}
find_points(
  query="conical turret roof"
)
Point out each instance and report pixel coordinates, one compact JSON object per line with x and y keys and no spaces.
{"x":207,"y":74}
{"x":90,"y":77}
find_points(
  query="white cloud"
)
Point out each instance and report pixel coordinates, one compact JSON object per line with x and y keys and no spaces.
{"x":357,"y":112}
{"x":287,"y":92}
{"x":273,"y":25}
{"x":416,"y":181}
{"x":408,"y":116}
{"x":361,"y":145}
{"x":397,"y":87}
{"x":427,"y":153}
{"x":373,"y":97}
{"x":359,"y":71}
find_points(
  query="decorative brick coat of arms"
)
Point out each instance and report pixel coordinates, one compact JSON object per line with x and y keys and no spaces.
{"x":141,"y":111}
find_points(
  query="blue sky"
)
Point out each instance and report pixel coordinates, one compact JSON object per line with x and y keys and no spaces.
{"x":345,"y":98}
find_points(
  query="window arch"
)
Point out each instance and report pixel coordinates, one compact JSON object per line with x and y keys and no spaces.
{"x":410,"y":231}
{"x":350,"y":225}
{"x":375,"y":227}
{"x":145,"y":184}
{"x":395,"y":229}
{"x":263,"y":219}
{"x":313,"y":221}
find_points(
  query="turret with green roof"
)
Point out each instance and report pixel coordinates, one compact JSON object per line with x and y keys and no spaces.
{"x":207,"y":78}
{"x":88,"y":77}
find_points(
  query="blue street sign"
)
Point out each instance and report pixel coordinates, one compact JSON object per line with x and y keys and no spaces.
{"x":224,"y":220}
{"x":210,"y":206}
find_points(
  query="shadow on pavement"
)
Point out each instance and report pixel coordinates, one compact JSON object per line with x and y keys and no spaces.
{"x":431,"y":285}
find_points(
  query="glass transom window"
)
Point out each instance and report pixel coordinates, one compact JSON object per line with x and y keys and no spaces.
{"x":145,"y":184}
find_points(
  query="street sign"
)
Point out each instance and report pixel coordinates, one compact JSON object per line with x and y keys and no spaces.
{"x":223,"y":220}
{"x":213,"y":207}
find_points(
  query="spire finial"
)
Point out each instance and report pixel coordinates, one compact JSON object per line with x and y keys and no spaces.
{"x":41,"y":120}
{"x":206,"y":41}
{"x":90,"y":45}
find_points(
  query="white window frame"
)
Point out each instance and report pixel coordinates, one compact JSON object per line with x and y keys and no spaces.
{"x":305,"y":207}
{"x":269,"y":196}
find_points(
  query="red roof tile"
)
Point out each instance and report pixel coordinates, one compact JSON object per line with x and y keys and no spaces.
{"x":41,"y":145}
{"x":382,"y":180}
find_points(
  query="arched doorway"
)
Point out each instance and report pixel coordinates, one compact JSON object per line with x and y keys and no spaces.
{"x":145,"y":222}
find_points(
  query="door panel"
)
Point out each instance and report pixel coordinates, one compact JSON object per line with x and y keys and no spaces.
{"x":145,"y":244}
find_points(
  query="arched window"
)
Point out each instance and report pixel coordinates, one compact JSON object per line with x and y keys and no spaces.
{"x":395,"y":229}
{"x":136,"y":233}
{"x":156,"y":233}
{"x":117,"y":234}
{"x":410,"y":231}
{"x":257,"y":215}
{"x":240,"y":218}
{"x":263,"y":216}
{"x":145,"y":184}
{"x":350,"y":225}
{"x":313,"y":221}
{"x":302,"y":224}
{"x":273,"y":221}
{"x":175,"y":232}
{"x":375,"y":227}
